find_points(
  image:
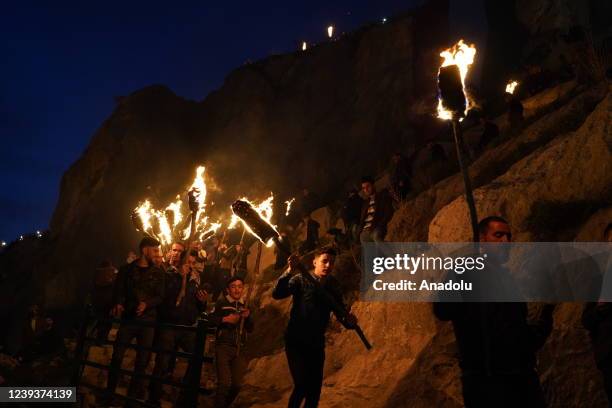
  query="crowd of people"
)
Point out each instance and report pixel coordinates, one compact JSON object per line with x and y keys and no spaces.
{"x":497,"y":342}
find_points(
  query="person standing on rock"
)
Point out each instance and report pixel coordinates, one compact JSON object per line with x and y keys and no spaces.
{"x":497,"y":343}
{"x":139,"y":289}
{"x":227,"y":315}
{"x":309,"y":317}
{"x":376,"y":212}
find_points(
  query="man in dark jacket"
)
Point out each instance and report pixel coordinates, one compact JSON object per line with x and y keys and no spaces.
{"x":310,"y":313}
{"x":597,"y":319}
{"x":171,"y":311}
{"x":376,"y":212}
{"x":233,"y":320}
{"x":138,"y":291}
{"x":497,"y":344}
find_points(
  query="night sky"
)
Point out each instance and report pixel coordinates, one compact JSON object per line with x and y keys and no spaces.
{"x":62,"y":64}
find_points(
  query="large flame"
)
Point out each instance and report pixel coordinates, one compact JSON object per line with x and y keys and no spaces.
{"x":462,"y":55}
{"x":511,"y":86}
{"x":165,"y":234}
{"x":164,"y":225}
{"x":264,"y":209}
{"x":175,"y":207}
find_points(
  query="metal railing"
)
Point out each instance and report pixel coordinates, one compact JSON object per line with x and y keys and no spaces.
{"x":191,"y":382}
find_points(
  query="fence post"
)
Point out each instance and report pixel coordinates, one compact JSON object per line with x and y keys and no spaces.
{"x":194,"y":369}
{"x":78,"y":351}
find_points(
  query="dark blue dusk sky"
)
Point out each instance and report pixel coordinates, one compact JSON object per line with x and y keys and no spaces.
{"x":62,"y":63}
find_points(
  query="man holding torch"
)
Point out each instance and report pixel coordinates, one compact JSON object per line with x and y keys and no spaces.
{"x":185,"y":313}
{"x":231,"y":364}
{"x":310,"y":313}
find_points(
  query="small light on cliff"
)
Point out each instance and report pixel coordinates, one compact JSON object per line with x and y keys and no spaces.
{"x":38,"y":234}
{"x":511,"y":86}
{"x":384,"y":20}
{"x":21,"y":237}
{"x":3,"y":243}
{"x":304,"y":45}
{"x":330,"y":31}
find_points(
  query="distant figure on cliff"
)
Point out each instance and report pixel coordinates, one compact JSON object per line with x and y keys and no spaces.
{"x":515,"y":112}
{"x":308,"y":202}
{"x":490,"y":132}
{"x":497,"y":344}
{"x":308,"y":320}
{"x":597,"y":319}
{"x":312,"y":235}
{"x":376,"y":212}
{"x":139,"y":290}
{"x":399,"y":176}
{"x":351,"y":215}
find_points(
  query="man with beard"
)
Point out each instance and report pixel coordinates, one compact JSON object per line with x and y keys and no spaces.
{"x":497,"y":344}
{"x":139,"y":289}
{"x":172,"y":311}
{"x":310,"y":313}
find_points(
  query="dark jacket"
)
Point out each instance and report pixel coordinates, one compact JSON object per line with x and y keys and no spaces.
{"x":228,"y":333}
{"x":597,"y":319}
{"x":134,"y":285}
{"x":190,"y":307}
{"x":383,"y":211}
{"x":310,"y":312}
{"x":495,"y":338}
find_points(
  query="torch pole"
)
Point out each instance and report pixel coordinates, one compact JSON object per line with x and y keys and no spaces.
{"x":249,"y":293}
{"x":469,"y":196}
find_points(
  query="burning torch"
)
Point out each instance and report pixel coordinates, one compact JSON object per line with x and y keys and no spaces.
{"x":263,"y":230}
{"x":454,"y":105}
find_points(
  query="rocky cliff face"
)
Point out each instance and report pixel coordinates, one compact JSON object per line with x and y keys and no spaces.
{"x":413,"y":361}
{"x":280,"y":124}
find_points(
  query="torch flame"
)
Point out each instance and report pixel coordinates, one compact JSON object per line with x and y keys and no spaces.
{"x":462,"y":55}
{"x":264,"y":209}
{"x":145,"y":212}
{"x":289,"y":202}
{"x":199,"y":187}
{"x":511,"y":86}
{"x":175,"y":207}
{"x":330,"y":31}
{"x":164,"y":227}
